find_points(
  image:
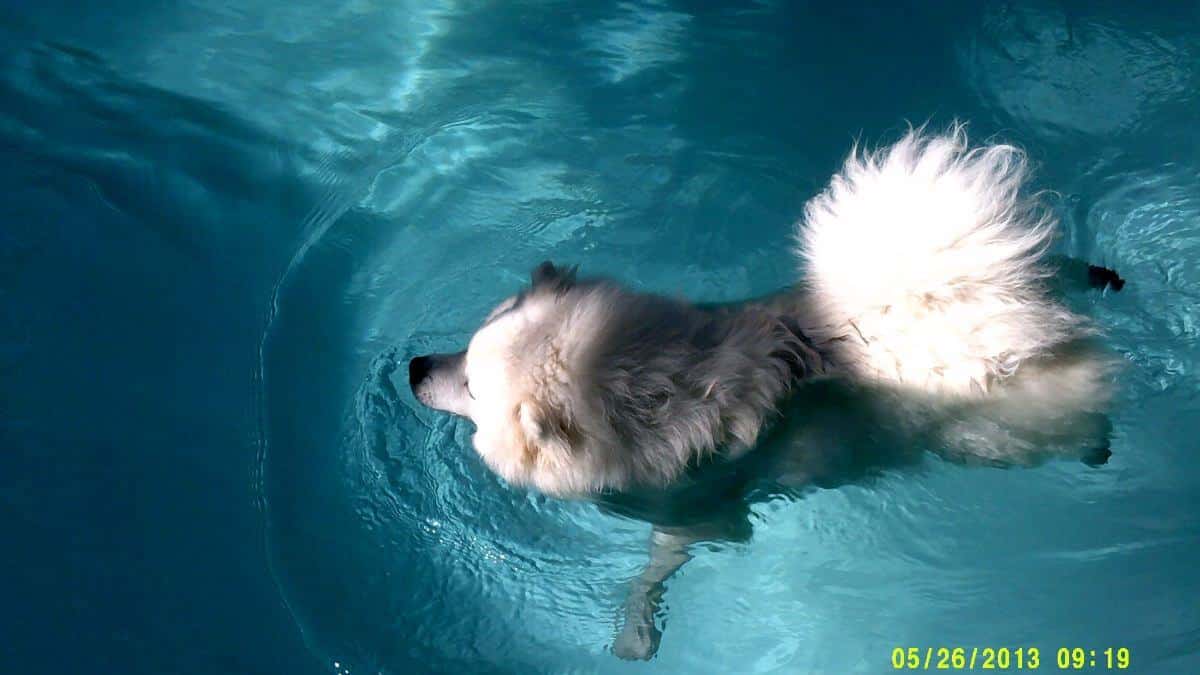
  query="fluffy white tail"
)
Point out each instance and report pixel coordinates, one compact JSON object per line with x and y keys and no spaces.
{"x":923,"y":265}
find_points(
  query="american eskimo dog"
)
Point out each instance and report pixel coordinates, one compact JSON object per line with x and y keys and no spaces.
{"x":925,"y":283}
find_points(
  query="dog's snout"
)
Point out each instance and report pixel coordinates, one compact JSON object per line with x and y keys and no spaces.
{"x":437,"y":381}
{"x":418,"y":370}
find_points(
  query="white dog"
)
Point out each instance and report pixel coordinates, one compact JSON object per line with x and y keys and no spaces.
{"x":924,"y":282}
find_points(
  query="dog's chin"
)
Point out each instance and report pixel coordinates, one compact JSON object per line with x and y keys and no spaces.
{"x":455,"y":408}
{"x":436,"y":395}
{"x":437,"y":382}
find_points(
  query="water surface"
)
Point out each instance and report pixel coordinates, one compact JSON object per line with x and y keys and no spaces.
{"x":227,"y":221}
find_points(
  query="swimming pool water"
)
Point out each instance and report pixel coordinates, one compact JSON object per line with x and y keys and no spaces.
{"x":227,"y":221}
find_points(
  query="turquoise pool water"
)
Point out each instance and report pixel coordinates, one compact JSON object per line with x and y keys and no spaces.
{"x":225,"y":221}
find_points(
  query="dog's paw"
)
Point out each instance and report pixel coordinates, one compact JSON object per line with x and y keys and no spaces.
{"x":638,"y":639}
{"x":1096,"y":457}
{"x":1103,"y":277}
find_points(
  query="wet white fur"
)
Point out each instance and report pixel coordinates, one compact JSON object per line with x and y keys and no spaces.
{"x":922,"y":274}
{"x":519,"y":366}
{"x":923,"y":263}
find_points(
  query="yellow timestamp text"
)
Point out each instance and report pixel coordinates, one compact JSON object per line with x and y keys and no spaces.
{"x":1008,"y":658}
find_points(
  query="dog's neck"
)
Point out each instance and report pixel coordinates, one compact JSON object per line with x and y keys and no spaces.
{"x":789,"y":307}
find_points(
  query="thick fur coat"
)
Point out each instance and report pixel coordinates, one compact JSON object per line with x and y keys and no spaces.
{"x":922,"y":272}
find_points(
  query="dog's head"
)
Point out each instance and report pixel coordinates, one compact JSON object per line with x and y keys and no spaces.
{"x":517,"y":379}
{"x":576,"y":386}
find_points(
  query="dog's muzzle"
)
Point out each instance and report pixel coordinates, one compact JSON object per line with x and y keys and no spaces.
{"x":438,"y":381}
{"x":418,"y":370}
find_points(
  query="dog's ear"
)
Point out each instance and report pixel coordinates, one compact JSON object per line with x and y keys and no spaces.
{"x":543,"y":273}
{"x":548,"y":274}
{"x":549,"y":433}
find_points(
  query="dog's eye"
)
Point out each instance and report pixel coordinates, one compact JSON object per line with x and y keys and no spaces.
{"x":467,"y":384}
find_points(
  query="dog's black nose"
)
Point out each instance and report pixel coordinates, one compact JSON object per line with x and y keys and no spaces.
{"x":418,"y":369}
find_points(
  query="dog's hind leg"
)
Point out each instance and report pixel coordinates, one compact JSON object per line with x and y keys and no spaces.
{"x":1075,"y":275}
{"x":639,"y":637}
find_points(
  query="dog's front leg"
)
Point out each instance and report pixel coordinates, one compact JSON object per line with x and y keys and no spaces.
{"x":639,"y":637}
